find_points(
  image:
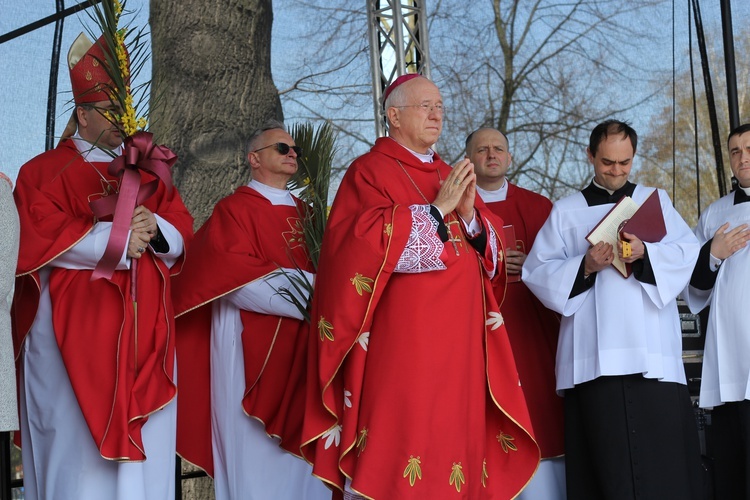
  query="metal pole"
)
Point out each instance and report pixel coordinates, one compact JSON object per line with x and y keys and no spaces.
{"x":378,"y":83}
{"x":397,"y":31}
{"x":726,"y":28}
{"x":178,"y":478}
{"x":49,"y":140}
{"x":5,"y":465}
{"x":47,"y":20}
{"x":711,"y":103}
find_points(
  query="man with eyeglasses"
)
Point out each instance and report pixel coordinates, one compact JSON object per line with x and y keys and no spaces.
{"x":412,"y":387}
{"x":98,"y":389}
{"x":532,"y":328}
{"x":241,"y":419}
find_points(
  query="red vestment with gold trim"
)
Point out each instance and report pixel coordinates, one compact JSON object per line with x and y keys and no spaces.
{"x":412,"y":387}
{"x":245,"y":239}
{"x":120,"y":371}
{"x":532,"y":328}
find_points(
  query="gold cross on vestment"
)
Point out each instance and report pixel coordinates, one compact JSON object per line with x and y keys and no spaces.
{"x":451,"y":238}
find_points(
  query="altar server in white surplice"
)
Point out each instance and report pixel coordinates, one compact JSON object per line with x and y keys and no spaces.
{"x":630,"y":431}
{"x":720,"y":279}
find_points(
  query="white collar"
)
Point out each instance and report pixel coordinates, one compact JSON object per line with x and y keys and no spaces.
{"x":610,"y":191}
{"x":275,"y":195}
{"x":499,"y":194}
{"x":423,"y":157}
{"x":93,"y":153}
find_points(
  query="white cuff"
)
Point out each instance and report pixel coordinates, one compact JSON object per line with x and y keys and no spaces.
{"x":714,"y":263}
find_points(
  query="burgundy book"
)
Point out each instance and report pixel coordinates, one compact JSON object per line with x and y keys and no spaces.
{"x":646,"y":222}
{"x":512,"y":243}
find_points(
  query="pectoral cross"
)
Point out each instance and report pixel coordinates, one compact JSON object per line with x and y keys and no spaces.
{"x":451,"y":238}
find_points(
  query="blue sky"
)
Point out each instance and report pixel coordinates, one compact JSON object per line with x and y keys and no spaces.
{"x":24,"y":76}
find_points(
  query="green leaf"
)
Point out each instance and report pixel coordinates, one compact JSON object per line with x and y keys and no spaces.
{"x":312,"y":181}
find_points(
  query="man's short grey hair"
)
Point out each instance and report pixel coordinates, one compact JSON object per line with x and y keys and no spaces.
{"x":395,"y":98}
{"x":252,"y":142}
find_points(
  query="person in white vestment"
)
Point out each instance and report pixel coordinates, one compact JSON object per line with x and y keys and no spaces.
{"x":241,"y":259}
{"x":720,"y":280}
{"x":630,"y":431}
{"x":8,"y":256}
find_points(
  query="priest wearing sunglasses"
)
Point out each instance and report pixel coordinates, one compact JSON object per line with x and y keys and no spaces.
{"x":241,"y":345}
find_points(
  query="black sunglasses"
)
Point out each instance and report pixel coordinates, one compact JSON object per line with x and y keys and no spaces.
{"x":283,"y":148}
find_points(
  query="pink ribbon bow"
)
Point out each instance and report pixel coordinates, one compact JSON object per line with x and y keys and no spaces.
{"x":139,"y":154}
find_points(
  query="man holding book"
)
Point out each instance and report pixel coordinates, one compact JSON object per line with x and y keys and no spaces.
{"x":720,"y":280}
{"x":241,"y":419}
{"x":532,"y":328}
{"x":630,"y":431}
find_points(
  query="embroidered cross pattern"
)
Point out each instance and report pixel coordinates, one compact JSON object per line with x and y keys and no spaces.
{"x":454,"y":239}
{"x":296,"y":237}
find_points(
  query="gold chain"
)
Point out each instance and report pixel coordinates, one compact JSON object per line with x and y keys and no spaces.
{"x":415,"y":184}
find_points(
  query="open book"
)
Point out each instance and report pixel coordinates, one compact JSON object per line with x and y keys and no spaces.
{"x":645,"y":221}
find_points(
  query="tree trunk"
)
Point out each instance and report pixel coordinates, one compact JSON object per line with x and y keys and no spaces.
{"x":211,"y":87}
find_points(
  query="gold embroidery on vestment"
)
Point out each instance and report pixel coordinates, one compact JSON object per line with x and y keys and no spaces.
{"x":457,"y":478}
{"x":296,"y":237}
{"x":361,"y":441}
{"x":485,"y":476}
{"x":388,"y":229}
{"x":109,"y":186}
{"x":454,"y":238}
{"x":413,"y":470}
{"x":325,"y":329}
{"x":362,"y":283}
{"x":506,"y":441}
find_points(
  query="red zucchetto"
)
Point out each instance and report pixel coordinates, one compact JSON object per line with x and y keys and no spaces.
{"x":398,"y":81}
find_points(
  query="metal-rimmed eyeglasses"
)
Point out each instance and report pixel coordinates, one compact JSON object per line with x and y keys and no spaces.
{"x":283,"y":148}
{"x":427,"y":108}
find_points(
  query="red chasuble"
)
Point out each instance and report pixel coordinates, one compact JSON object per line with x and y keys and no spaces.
{"x":245,"y":239}
{"x":412,"y":387}
{"x":532,"y":328}
{"x":120,"y":364}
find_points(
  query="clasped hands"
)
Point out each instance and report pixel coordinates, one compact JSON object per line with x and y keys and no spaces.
{"x":602,"y":254}
{"x":142,"y":229}
{"x":458,"y":191}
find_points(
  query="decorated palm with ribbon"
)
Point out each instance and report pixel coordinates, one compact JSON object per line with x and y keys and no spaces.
{"x":120,"y":53}
{"x":140,"y":155}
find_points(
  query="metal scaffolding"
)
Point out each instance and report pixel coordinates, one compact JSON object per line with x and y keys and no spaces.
{"x":398,"y":45}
